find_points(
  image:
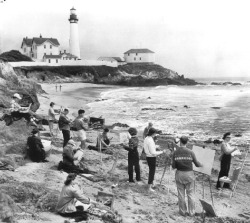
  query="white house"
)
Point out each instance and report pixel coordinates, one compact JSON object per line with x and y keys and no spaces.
{"x":68,"y":56}
{"x":39,"y":47}
{"x":139,"y":56}
{"x":26,"y":46}
{"x":52,"y":59}
{"x":116,"y":60}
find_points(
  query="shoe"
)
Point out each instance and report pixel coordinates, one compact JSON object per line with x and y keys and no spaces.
{"x":131,"y":181}
{"x":151,"y":190}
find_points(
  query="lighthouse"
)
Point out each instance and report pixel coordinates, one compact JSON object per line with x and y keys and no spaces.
{"x":74,"y":44}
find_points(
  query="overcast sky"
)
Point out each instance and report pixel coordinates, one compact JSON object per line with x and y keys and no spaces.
{"x":197,"y":38}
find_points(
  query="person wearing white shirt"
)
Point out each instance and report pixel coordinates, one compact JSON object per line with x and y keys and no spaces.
{"x":52,"y":117}
{"x":151,"y":153}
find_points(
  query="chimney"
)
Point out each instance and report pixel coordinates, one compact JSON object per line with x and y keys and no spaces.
{"x":60,"y":52}
{"x":64,"y":51}
{"x":41,"y":36}
{"x":26,"y":37}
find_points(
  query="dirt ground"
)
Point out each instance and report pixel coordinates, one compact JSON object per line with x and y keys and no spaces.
{"x":35,"y":188}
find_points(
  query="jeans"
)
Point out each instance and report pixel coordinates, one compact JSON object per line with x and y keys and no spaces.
{"x":78,"y":216}
{"x":152,"y":165}
{"x":133,"y":161}
{"x":66,"y":136}
{"x":224,"y":169}
{"x":189,"y":189}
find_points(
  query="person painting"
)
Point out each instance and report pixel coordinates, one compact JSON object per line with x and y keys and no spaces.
{"x":18,"y":112}
{"x":133,"y":156}
{"x":151,"y":153}
{"x":64,"y":125}
{"x":225,"y":158}
{"x":145,"y":132}
{"x":68,"y":164}
{"x":35,"y":150}
{"x":103,"y":140}
{"x":52,"y":117}
{"x":66,"y":205}
{"x":182,"y":160}
{"x":81,"y":128}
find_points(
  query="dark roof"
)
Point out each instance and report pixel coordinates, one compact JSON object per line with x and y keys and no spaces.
{"x":118,"y":59}
{"x":139,"y":51}
{"x":69,"y":55}
{"x":52,"y":56}
{"x":40,"y":41}
{"x":27,"y":41}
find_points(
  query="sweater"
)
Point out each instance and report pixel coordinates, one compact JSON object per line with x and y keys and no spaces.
{"x":64,"y":122}
{"x":183,"y":158}
{"x":132,"y":146}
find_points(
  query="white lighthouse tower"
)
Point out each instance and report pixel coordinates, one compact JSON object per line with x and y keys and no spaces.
{"x":74,"y":44}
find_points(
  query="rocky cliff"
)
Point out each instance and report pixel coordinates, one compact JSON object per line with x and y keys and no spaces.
{"x":128,"y":75}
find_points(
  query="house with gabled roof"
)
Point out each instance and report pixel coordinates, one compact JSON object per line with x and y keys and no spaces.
{"x":38,"y":47}
{"x":139,"y":56}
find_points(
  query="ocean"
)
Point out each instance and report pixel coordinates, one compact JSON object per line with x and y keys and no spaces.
{"x":201,"y":111}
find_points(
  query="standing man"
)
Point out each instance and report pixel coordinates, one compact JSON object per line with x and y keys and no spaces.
{"x":81,"y":128}
{"x":64,"y":125}
{"x":145,"y":132}
{"x":184,"y":176}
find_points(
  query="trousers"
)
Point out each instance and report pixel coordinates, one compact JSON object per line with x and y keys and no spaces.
{"x":187,"y":188}
{"x":133,"y":162}
{"x":151,"y":165}
{"x":66,"y":136}
{"x":224,"y":169}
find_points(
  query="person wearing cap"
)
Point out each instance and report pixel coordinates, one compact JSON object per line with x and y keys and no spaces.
{"x":64,"y":125}
{"x":133,"y":156}
{"x":35,"y":150}
{"x":70,"y":194}
{"x":69,"y":157}
{"x":151,"y":153}
{"x":81,"y":128}
{"x":52,"y":117}
{"x":182,"y":160}
{"x":145,"y":132}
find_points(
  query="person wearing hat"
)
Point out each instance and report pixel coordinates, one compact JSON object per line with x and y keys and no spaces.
{"x":133,"y":156}
{"x":182,"y":160}
{"x":35,"y":150}
{"x":52,"y":117}
{"x":151,"y":153}
{"x":70,"y":194}
{"x":68,"y":159}
{"x":64,"y":125}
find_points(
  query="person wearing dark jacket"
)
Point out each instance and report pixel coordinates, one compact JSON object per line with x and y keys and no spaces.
{"x":64,"y":125}
{"x":182,"y":160}
{"x":35,"y":147}
{"x":133,"y":156}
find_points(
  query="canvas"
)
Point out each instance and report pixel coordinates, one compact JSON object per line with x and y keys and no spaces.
{"x":205,"y":157}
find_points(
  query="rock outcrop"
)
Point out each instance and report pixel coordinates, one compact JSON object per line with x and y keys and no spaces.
{"x":128,"y":75}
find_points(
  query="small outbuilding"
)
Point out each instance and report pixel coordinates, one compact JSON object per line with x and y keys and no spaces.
{"x":139,"y":56}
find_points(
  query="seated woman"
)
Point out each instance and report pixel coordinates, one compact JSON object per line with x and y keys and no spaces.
{"x":18,"y":112}
{"x":102,"y":141}
{"x":35,"y":150}
{"x":68,"y":159}
{"x":66,"y":205}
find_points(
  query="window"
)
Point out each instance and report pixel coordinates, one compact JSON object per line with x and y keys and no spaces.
{"x":49,"y":60}
{"x":128,"y":54}
{"x":44,"y":54}
{"x":44,"y":46}
{"x":136,"y":54}
{"x":50,"y":53}
{"x":135,"y":58}
{"x":24,"y":50}
{"x":56,"y":60}
{"x":50,"y":46}
{"x":75,"y":58}
{"x":140,"y":58}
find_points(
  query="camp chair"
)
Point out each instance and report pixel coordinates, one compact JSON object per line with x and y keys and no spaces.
{"x":25,"y":109}
{"x":232,"y":181}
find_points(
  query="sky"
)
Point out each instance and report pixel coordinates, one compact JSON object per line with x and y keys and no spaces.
{"x":197,"y":38}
